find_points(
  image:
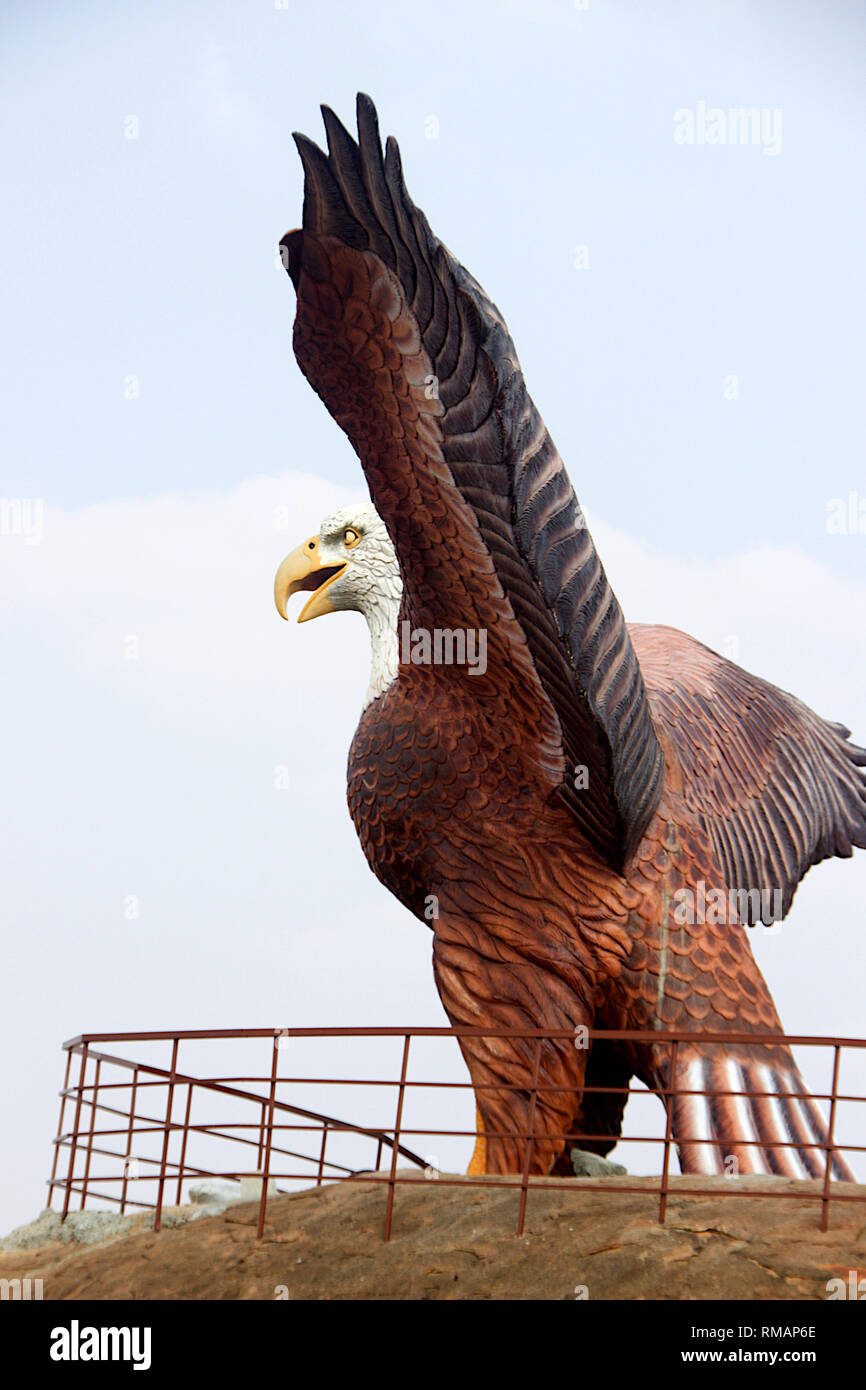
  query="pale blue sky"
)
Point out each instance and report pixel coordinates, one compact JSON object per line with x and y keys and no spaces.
{"x":155,"y":258}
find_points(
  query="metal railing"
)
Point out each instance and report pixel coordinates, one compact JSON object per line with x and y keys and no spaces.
{"x":125,"y":1126}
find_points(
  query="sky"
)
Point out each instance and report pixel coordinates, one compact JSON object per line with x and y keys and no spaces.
{"x":175,"y":848}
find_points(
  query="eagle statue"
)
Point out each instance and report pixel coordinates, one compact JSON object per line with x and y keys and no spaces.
{"x":547,"y":787}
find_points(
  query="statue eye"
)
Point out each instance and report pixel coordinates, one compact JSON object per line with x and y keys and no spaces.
{"x":351,"y":537}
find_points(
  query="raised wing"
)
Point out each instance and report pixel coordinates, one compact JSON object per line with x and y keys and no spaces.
{"x":776,"y":787}
{"x":416,"y":365}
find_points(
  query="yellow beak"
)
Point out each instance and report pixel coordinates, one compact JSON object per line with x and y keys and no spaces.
{"x":305,"y":570}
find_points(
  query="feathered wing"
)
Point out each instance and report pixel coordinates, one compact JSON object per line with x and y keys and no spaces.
{"x":776,"y":787}
{"x":417,"y":366}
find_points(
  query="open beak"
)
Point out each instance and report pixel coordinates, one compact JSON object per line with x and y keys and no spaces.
{"x":304,"y":570}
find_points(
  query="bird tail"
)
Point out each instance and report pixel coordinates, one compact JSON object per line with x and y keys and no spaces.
{"x":744,"y":1114}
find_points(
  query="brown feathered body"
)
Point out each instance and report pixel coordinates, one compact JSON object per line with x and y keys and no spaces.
{"x":531,"y":928}
{"x":554,"y":807}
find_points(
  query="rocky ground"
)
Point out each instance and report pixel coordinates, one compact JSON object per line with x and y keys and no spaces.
{"x":458,"y":1242}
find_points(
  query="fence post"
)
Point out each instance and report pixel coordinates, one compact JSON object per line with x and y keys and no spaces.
{"x":70,"y":1172}
{"x":530,"y":1139}
{"x":183,"y":1144}
{"x":266,"y":1165}
{"x":262,"y":1124}
{"x":321,"y":1168}
{"x":129,"y":1134}
{"x":157,"y":1221}
{"x":669,"y":1108}
{"x":825,"y":1196}
{"x":90,"y":1133}
{"x":59,"y":1126}
{"x":397,"y":1123}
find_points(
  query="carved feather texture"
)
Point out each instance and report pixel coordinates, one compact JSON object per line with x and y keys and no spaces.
{"x":776,"y":787}
{"x":554,"y":907}
{"x":369,"y":271}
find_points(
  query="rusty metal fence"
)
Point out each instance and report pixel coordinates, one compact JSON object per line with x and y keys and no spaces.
{"x":132,"y":1130}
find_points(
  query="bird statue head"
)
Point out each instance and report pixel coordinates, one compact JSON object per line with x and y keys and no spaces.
{"x":350,"y":564}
